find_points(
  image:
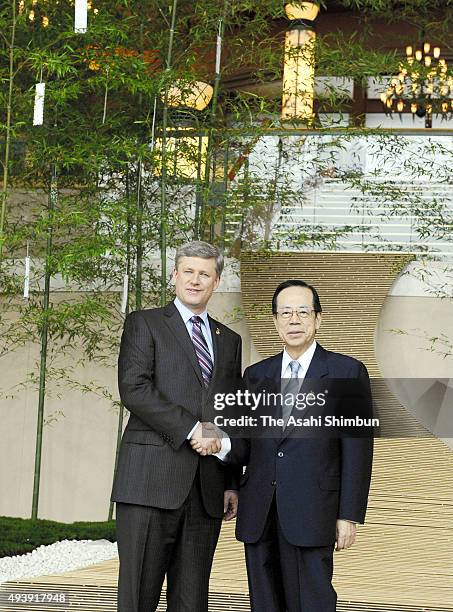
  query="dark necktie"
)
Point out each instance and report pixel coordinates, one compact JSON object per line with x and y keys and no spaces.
{"x":201,"y":349}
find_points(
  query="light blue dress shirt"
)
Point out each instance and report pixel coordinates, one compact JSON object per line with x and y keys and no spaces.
{"x":187,"y":314}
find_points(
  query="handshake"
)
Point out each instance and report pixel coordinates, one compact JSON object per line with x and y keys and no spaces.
{"x":207,"y":439}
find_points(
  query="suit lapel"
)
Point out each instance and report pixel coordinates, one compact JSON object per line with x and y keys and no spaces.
{"x":175,"y":323}
{"x":217,"y":345}
{"x":274,"y":370}
{"x":317,"y":369}
{"x":318,"y":365}
{"x":273,"y":380}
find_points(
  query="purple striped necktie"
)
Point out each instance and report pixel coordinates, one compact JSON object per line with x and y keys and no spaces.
{"x":201,"y":349}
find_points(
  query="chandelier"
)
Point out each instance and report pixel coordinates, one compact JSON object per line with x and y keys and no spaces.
{"x":423,"y":85}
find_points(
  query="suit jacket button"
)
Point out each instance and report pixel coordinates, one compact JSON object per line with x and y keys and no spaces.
{"x":280,"y":454}
{"x":274,"y":483}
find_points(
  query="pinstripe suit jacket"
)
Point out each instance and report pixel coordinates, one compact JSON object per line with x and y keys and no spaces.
{"x":160,"y":383}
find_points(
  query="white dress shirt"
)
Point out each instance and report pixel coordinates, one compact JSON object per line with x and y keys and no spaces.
{"x":304,"y":360}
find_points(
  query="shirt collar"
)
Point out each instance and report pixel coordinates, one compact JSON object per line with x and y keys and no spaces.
{"x":187,"y":314}
{"x":304,"y":359}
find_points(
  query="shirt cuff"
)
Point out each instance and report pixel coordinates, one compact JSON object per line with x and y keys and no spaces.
{"x":191,"y":432}
{"x":226,"y":448}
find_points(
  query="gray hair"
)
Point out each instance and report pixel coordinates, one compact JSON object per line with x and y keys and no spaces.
{"x":203,"y":250}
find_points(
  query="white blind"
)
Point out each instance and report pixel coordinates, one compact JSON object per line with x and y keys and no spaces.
{"x":414,"y":217}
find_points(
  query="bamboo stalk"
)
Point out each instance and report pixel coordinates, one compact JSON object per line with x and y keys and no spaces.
{"x":139,"y":249}
{"x":119,"y":431}
{"x":140,"y":208}
{"x":215,"y":95}
{"x":8,"y":128}
{"x":52,"y":200}
{"x":163,"y":202}
{"x":139,"y":200}
{"x":198,"y":191}
{"x":274,"y":195}
{"x":212,"y":211}
{"x":225,"y":187}
{"x":139,"y":261}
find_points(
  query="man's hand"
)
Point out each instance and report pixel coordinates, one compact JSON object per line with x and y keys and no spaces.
{"x":206,"y":439}
{"x":346,"y":532}
{"x":230,"y":505}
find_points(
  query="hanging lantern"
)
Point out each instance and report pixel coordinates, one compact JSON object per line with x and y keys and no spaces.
{"x":195,"y":95}
{"x":299,"y":63}
{"x":303,"y":10}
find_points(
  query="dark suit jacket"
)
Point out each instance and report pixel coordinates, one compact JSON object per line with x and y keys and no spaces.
{"x":160,"y":383}
{"x":315,"y":479}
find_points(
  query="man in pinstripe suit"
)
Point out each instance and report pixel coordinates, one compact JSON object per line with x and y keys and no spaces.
{"x":169,"y":499}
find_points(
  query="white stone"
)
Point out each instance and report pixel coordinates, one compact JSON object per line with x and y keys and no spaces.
{"x":56,"y":558}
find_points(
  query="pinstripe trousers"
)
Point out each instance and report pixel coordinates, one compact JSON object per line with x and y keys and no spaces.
{"x":154,"y":543}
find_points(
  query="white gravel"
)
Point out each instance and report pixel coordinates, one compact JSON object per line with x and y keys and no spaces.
{"x":56,"y":558}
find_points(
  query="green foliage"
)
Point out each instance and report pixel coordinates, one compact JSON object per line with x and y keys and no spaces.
{"x":19,"y":536}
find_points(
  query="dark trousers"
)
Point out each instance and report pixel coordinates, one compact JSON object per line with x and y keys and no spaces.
{"x":287,"y":578}
{"x":153,"y":542}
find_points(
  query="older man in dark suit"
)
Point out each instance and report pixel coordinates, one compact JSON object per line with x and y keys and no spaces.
{"x":170,"y":500}
{"x":303,"y":490}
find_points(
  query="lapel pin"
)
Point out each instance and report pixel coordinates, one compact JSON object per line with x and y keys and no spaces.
{"x":217,"y":331}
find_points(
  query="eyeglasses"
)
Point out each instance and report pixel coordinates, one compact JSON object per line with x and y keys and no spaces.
{"x":302,"y":313}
